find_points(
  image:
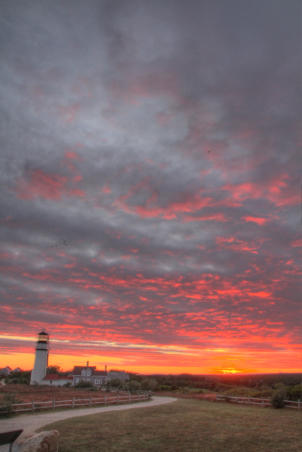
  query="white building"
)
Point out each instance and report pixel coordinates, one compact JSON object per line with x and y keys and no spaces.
{"x":5,"y":371}
{"x":41,"y":359}
{"x":96,"y":377}
{"x":89,"y":374}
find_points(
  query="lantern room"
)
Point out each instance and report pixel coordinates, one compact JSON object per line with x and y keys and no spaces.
{"x":43,"y":337}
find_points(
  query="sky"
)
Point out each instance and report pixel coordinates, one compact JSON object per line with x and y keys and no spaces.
{"x":151,"y":188}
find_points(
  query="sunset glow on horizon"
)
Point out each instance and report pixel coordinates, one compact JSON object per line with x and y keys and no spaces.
{"x":151,"y":185}
{"x":149,"y":359}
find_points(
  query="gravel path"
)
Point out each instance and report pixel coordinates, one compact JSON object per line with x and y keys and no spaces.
{"x":32,"y":422}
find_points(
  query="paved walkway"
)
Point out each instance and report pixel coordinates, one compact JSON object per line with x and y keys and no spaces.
{"x":32,"y":422}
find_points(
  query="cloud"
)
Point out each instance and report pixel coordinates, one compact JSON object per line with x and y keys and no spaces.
{"x":150,"y":185}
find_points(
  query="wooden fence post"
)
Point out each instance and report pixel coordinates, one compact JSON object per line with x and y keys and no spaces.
{"x":33,"y":406}
{"x":299,"y":404}
{"x":53,"y":403}
{"x":73,"y":402}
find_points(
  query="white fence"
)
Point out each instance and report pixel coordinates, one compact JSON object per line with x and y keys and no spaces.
{"x":257,"y":401}
{"x":74,"y":402}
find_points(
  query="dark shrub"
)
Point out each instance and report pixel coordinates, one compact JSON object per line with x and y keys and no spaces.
{"x":294,"y":392}
{"x":84,"y":384}
{"x":6,"y":405}
{"x":278,"y":398}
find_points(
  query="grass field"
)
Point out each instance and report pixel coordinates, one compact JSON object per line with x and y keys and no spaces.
{"x":185,"y":426}
{"x":27,"y":393}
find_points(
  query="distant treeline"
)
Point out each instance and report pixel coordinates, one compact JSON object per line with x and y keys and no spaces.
{"x":17,"y":377}
{"x":258,"y":385}
{"x":212,"y":381}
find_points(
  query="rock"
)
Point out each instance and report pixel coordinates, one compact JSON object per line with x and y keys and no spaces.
{"x":41,"y":442}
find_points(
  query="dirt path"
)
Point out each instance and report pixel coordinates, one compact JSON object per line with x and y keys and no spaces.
{"x":32,"y":422}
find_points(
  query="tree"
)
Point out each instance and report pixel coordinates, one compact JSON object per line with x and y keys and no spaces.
{"x":134,"y":386}
{"x":53,"y":370}
{"x":18,"y":377}
{"x":115,"y":383}
{"x":149,"y":384}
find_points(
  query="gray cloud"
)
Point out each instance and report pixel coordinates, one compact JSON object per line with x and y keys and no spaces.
{"x":146,"y":146}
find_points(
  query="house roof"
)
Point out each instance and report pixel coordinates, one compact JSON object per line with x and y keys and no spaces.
{"x":56,"y":377}
{"x":78,"y":369}
{"x":118,"y":372}
{"x":100,"y":373}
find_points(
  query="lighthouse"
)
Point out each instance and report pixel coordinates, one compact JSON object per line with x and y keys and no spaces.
{"x":41,"y":359}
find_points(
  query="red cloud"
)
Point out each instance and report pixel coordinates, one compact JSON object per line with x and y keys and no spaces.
{"x":247,"y":190}
{"x":41,"y":184}
{"x":211,"y":217}
{"x":45,"y":185}
{"x":236,"y":245}
{"x":261,"y":294}
{"x":68,"y":112}
{"x":68,"y":162}
{"x":188,"y":205}
{"x":274,"y":190}
{"x":106,"y":190}
{"x":257,"y":220}
{"x":297,"y":243}
{"x":72,"y":155}
{"x":149,"y":85}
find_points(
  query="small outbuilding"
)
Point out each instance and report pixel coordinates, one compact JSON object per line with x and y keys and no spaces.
{"x":56,"y":380}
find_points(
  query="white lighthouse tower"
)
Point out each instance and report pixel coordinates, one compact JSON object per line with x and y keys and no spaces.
{"x":41,"y":359}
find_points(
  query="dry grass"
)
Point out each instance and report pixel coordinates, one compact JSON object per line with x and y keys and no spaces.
{"x":188,"y":395}
{"x":185,"y":426}
{"x":27,"y":393}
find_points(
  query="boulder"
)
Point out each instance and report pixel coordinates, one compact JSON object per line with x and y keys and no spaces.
{"x":40,"y":442}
